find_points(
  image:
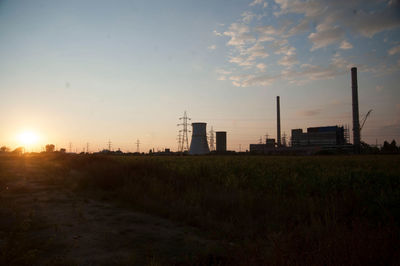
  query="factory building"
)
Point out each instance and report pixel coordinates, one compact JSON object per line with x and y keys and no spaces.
{"x":319,"y":136}
{"x":221,"y":141}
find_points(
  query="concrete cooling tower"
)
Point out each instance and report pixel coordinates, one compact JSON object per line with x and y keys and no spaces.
{"x":199,"y":144}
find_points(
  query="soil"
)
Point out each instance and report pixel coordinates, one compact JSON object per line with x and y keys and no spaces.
{"x":68,"y":228}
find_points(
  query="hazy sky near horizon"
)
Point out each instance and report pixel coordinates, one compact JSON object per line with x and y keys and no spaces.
{"x":93,"y":71}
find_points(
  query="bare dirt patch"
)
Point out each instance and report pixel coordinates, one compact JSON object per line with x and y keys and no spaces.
{"x":64,"y":228}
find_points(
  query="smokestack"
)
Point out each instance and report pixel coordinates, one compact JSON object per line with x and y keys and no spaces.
{"x":278,"y":118}
{"x":356,"y":122}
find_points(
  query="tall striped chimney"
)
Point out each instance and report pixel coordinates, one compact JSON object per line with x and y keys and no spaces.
{"x":278,"y":118}
{"x":356,"y":121}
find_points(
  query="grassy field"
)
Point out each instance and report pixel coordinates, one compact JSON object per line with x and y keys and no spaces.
{"x":269,"y":210}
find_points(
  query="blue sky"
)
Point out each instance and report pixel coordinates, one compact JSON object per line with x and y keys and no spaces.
{"x":90,"y":71}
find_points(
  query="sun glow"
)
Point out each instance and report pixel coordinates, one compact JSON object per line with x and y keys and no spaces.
{"x":28,"y":138}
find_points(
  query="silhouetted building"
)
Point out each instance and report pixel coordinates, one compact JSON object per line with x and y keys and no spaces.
{"x":199,"y":144}
{"x":318,"y":136}
{"x":221,"y":141}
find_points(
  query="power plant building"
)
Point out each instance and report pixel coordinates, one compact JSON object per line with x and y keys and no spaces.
{"x":199,"y":144}
{"x":319,"y":136}
{"x":221,"y":141}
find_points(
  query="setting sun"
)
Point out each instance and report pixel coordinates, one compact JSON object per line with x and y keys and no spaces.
{"x":28,"y":138}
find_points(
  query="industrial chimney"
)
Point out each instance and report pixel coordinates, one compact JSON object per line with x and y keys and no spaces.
{"x":278,"y":118}
{"x":356,"y":122}
{"x":199,"y":144}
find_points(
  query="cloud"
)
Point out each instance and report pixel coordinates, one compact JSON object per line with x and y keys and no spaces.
{"x":288,"y":60}
{"x":256,"y":51}
{"x":325,"y":36}
{"x":212,"y":47}
{"x":248,"y":16}
{"x":309,"y":8}
{"x":252,"y":80}
{"x":345,"y":45}
{"x":256,"y":2}
{"x":303,"y":26}
{"x":313,"y":112}
{"x":261,"y":66}
{"x":394,"y":50}
{"x":240,"y":34}
{"x":217,"y":33}
{"x":266,"y":33}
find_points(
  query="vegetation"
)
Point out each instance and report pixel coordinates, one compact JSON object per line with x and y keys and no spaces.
{"x":316,"y":210}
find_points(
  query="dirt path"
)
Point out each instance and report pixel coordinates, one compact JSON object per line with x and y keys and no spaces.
{"x":73,"y":230}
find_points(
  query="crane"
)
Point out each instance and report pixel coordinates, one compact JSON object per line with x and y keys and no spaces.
{"x":365,"y":119}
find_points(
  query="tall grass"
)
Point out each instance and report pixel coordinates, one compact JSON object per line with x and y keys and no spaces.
{"x":272,"y":210}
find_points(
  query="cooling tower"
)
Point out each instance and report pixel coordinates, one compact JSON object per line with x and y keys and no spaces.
{"x":199,"y":144}
{"x":356,"y":122}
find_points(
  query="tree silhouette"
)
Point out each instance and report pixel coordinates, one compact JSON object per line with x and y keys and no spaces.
{"x":50,"y":148}
{"x":4,"y":149}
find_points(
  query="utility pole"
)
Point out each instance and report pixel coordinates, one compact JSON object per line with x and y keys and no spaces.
{"x":260,"y":140}
{"x":137,"y":146}
{"x":70,"y":147}
{"x":184,"y":146}
{"x":266,"y":137}
{"x":212,"y":139}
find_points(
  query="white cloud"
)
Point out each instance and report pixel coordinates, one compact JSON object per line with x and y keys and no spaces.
{"x":256,"y":51}
{"x":248,"y":16}
{"x":262,"y":67}
{"x":241,"y":61}
{"x":288,"y":60}
{"x":345,"y":45}
{"x":217,"y":33}
{"x":256,"y":2}
{"x":303,"y":26}
{"x":223,"y":71}
{"x":394,"y":50}
{"x":312,"y":112}
{"x":212,"y":47}
{"x":240,"y":35}
{"x":325,"y":36}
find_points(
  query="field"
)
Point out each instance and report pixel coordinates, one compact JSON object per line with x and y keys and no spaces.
{"x":60,"y":209}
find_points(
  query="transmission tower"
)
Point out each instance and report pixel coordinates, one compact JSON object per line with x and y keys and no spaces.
{"x":87,"y":147}
{"x":184,"y":145}
{"x":70,"y":147}
{"x":137,"y":146}
{"x":260,"y":140}
{"x":109,"y":145}
{"x":266,"y":137}
{"x":179,"y":140}
{"x":211,"y":139}
{"x":284,"y":139}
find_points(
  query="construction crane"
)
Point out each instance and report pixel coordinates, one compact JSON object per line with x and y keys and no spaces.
{"x":365,"y":119}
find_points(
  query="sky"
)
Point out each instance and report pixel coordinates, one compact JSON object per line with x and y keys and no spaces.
{"x":77,"y":72}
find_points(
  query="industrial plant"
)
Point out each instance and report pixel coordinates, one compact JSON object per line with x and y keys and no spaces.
{"x":310,"y":141}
